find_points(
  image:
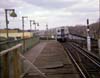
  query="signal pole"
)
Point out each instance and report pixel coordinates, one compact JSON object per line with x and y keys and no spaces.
{"x":88,"y":37}
{"x":99,"y":34}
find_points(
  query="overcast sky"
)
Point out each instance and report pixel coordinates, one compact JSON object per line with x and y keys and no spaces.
{"x":55,"y":13}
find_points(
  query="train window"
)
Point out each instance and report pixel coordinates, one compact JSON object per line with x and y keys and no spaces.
{"x":58,"y":30}
{"x":62,"y":30}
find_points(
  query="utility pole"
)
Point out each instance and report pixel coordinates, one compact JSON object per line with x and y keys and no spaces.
{"x":88,"y":37}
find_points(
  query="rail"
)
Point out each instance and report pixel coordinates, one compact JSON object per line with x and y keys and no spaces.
{"x":76,"y":64}
{"x":87,"y":63}
{"x":89,"y":53}
{"x":93,"y":58}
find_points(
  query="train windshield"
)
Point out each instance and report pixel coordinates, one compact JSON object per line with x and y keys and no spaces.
{"x":62,"y":33}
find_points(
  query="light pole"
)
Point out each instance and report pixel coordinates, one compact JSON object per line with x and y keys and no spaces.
{"x":30,"y":27}
{"x":47,"y":30}
{"x":34,"y":24}
{"x":88,"y":37}
{"x":37,"y":25}
{"x":12,"y":14}
{"x":31,"y":22}
{"x":23,"y":17}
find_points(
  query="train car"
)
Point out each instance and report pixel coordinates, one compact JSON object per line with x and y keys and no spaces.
{"x":62,"y":34}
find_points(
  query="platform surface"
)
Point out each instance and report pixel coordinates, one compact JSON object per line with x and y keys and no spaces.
{"x":52,"y":60}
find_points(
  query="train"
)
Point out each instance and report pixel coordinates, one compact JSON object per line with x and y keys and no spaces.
{"x":62,"y":34}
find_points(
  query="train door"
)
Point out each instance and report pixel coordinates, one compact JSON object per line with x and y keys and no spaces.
{"x":62,"y":35}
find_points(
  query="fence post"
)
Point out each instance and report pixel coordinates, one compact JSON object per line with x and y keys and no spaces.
{"x":16,"y":64}
{"x":5,"y":65}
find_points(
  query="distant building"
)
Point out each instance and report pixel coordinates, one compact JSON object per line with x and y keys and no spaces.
{"x":9,"y":30}
{"x":15,"y":33}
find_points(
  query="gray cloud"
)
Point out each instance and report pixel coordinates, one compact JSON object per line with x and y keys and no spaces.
{"x":52,"y":4}
{"x":7,"y":4}
{"x":53,"y":12}
{"x":88,"y":9}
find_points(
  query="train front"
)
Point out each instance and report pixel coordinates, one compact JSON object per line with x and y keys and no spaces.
{"x":61,"y":34}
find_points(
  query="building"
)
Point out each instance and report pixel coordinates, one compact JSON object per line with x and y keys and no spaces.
{"x":16,"y":33}
{"x":9,"y":30}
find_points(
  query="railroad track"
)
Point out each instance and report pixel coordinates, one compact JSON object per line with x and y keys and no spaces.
{"x":86,"y":63}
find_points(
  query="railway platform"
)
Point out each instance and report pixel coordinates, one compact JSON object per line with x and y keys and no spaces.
{"x":51,"y":60}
